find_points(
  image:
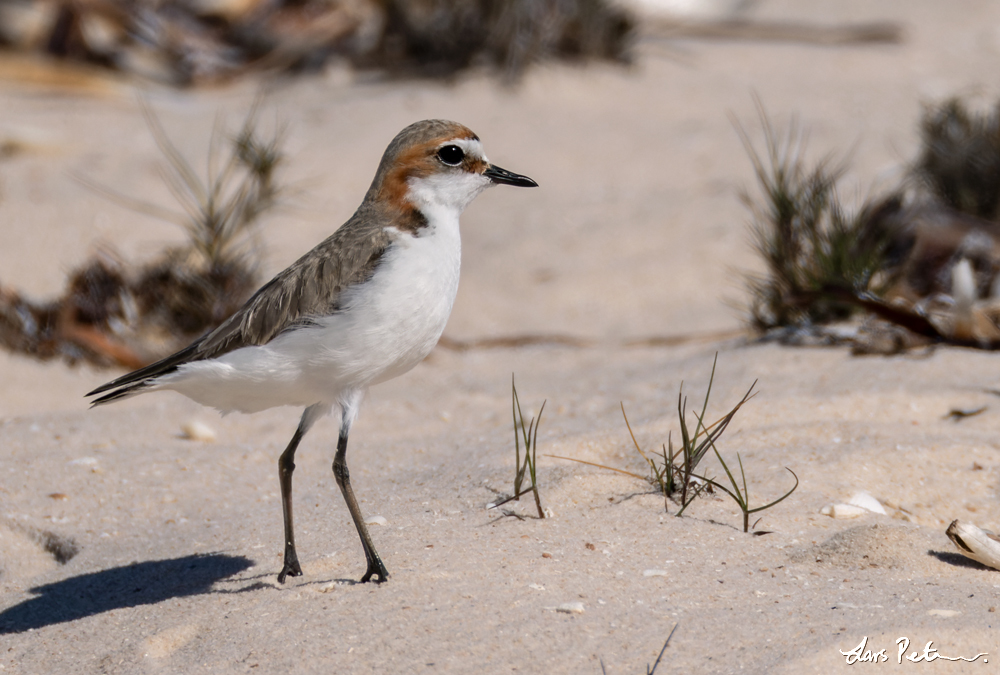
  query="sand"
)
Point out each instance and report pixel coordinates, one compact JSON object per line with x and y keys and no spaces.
{"x":170,"y":547}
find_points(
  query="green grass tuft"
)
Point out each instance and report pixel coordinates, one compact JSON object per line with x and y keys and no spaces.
{"x":528,"y":467}
{"x":809,"y":242}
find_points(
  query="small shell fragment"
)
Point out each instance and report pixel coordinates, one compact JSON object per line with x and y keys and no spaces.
{"x":946,"y":613}
{"x":376,"y":520}
{"x":195,"y":430}
{"x":570,"y":608}
{"x":843,"y":511}
{"x":963,"y":290}
{"x":981,"y":545}
{"x":865,"y":501}
{"x":654,"y":573}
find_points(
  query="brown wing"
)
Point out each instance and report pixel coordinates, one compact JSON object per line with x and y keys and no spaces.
{"x":311,"y":287}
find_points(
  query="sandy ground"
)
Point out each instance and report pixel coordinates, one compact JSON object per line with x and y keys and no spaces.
{"x":636,"y":231}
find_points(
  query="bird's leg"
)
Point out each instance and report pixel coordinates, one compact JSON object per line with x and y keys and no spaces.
{"x":286,"y":465}
{"x":343,"y":476}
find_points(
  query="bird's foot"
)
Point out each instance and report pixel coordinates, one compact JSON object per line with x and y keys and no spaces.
{"x":291,"y":568}
{"x":375,"y":569}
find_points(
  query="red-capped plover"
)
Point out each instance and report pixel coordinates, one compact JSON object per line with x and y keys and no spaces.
{"x":364,"y":306}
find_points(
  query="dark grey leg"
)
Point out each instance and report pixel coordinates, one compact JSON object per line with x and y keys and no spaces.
{"x":343,"y":476}
{"x":286,"y":465}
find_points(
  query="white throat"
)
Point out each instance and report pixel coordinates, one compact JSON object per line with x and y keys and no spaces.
{"x":449,"y":192}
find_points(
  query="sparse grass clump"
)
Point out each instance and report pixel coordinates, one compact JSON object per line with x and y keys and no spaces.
{"x":896,"y":256}
{"x":673,"y":471}
{"x":220,"y":211}
{"x":811,"y":246}
{"x":959,"y":160}
{"x":117,"y":314}
{"x":526,"y":468}
{"x":673,"y":475}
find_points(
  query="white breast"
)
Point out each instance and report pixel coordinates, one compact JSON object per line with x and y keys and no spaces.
{"x":397,"y":317}
{"x":384,"y":328}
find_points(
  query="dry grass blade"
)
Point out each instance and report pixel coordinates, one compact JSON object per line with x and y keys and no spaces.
{"x":885,"y":32}
{"x":599,"y":466}
{"x":184,"y":175}
{"x":652,"y":671}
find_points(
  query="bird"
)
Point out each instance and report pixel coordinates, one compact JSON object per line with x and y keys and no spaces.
{"x":364,"y":306}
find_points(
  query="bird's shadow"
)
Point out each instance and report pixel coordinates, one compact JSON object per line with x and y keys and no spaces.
{"x":141,"y":583}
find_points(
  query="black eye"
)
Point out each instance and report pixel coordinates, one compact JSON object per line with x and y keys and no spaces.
{"x":451,"y":155}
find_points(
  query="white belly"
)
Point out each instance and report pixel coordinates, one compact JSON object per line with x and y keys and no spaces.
{"x":385,"y":327}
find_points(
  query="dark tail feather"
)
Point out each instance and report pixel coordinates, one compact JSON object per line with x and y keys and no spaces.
{"x":123,"y":392}
{"x":134,"y":382}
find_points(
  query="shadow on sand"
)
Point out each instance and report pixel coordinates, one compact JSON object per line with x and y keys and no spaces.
{"x":143,"y":583}
{"x":956,"y":559}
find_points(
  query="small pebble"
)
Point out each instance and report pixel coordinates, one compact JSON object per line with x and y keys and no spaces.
{"x":546,"y":555}
{"x":654,"y":573}
{"x":537,"y":587}
{"x":376,"y":520}
{"x":59,"y":496}
{"x":193,"y":430}
{"x":570,"y":608}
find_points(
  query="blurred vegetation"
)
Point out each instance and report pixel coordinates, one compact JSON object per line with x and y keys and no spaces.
{"x":893,"y":257}
{"x":808,"y":241}
{"x":191,"y":42}
{"x":959,"y":160}
{"x":116,"y":314}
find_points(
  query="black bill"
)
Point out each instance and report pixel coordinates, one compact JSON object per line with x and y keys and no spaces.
{"x":498,"y":175}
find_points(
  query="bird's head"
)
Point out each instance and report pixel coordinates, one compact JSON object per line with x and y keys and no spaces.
{"x":437,"y":164}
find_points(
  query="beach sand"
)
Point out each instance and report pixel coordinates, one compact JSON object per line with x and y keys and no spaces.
{"x":636,"y":231}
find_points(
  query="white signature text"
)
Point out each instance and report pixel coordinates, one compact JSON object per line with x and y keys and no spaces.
{"x":862,"y":655}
